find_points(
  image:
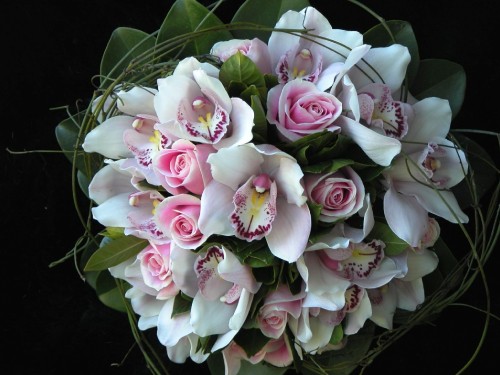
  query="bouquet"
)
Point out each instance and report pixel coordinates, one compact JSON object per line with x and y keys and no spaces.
{"x":267,"y":194}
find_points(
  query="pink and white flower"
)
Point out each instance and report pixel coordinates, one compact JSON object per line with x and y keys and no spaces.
{"x":294,"y":57}
{"x":177,"y":216}
{"x":341,"y":194}
{"x":255,"y":49}
{"x":194,"y":105}
{"x":298,"y":108}
{"x":183,"y":167}
{"x":278,"y":305}
{"x":254,"y":194}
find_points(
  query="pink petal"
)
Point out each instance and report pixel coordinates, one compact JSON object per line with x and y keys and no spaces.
{"x":254,"y":211}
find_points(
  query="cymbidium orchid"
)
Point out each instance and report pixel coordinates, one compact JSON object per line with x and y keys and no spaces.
{"x":420,"y":178}
{"x":194,"y":105}
{"x":122,"y":204}
{"x":255,"y":49}
{"x":317,"y":58}
{"x":256,"y":193}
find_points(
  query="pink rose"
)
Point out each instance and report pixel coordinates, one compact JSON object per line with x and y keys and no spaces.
{"x":341,"y":194}
{"x":298,"y":108}
{"x":183,"y":168}
{"x":177,"y":216}
{"x":156,"y":271}
{"x":255,"y":49}
{"x":273,"y":315}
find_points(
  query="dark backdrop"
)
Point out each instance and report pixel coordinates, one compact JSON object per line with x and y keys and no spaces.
{"x":52,"y":322}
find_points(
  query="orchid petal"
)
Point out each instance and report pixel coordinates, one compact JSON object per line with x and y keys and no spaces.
{"x":113,"y":212}
{"x":216,"y":207}
{"x":232,"y":166}
{"x":383,"y":301}
{"x":254,"y":211}
{"x":386,"y":65}
{"x":172,"y":329}
{"x":410,"y":293}
{"x":433,"y":202}
{"x":357,"y":318}
{"x":232,"y":270}
{"x":291,"y":229}
{"x":108,"y":182}
{"x":420,"y":264}
{"x":379,"y":148}
{"x":242,"y":122}
{"x":432,"y":119}
{"x":210,"y":317}
{"x":137,"y":101}
{"x":405,"y":216}
{"x":107,"y":138}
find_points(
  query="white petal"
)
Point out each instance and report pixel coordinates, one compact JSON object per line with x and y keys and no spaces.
{"x":432,"y":119}
{"x":434,"y":202}
{"x":233,"y":166}
{"x":241,"y":125}
{"x":172,"y":329}
{"x":385,"y":65}
{"x":384,"y":307}
{"x":210,"y":317}
{"x":357,"y":319}
{"x":379,"y":148}
{"x":410,"y":293}
{"x":420,"y":264}
{"x":137,"y":101}
{"x":108,"y":182}
{"x":107,"y":138}
{"x":215,"y":211}
{"x":113,"y":212}
{"x":290,"y":231}
{"x":405,"y":216}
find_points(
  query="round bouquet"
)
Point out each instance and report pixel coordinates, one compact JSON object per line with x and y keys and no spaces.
{"x":267,"y":194}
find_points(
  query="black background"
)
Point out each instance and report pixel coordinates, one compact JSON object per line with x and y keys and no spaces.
{"x":52,"y":323}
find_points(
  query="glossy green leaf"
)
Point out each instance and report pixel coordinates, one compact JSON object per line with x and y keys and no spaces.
{"x":124,"y":45}
{"x":67,"y":137}
{"x":108,"y":292}
{"x":443,"y":79}
{"x":401,"y":32}
{"x":242,"y":70}
{"x":115,"y":252}
{"x":260,"y":128}
{"x":265,"y":13}
{"x":251,"y":340}
{"x":337,"y":335}
{"x":83,"y":183}
{"x":482,"y":170}
{"x":345,"y":360}
{"x":216,"y":366}
{"x":185,"y":17}
{"x":328,"y":166}
{"x":393,"y":244}
{"x":182,"y":304}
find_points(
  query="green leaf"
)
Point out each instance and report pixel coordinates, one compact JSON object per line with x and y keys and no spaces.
{"x":112,"y":233}
{"x":186,"y":17}
{"x":337,"y":335}
{"x":315,"y":210}
{"x":265,"y":13}
{"x":328,"y":166}
{"x":251,"y":340}
{"x":345,"y":360}
{"x":115,"y":252}
{"x":260,"y":128}
{"x":67,"y":136}
{"x":266,"y":275}
{"x":108,"y":292}
{"x":482,"y":171}
{"x":83,"y":182}
{"x":242,"y":70}
{"x":440,"y":78}
{"x":182,"y":304}
{"x":402,"y":33}
{"x":124,"y":45}
{"x":216,"y":366}
{"x":393,"y":244}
